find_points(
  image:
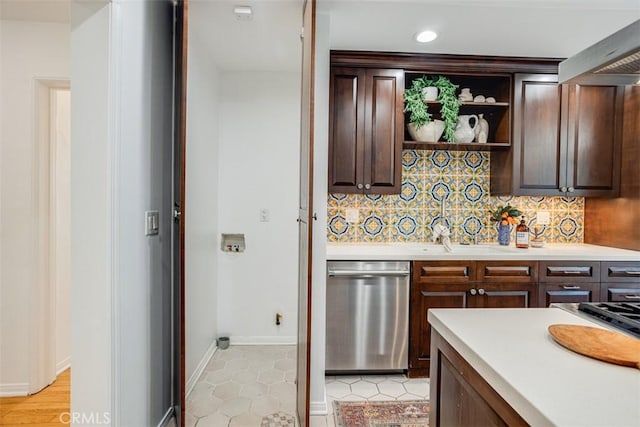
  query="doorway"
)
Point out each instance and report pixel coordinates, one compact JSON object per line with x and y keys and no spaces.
{"x":50,"y":334}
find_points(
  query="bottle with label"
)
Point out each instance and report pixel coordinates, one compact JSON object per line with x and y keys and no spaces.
{"x":522,"y":235}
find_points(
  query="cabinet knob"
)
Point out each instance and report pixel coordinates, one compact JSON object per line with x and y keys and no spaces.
{"x":473,"y":291}
{"x":571,"y":189}
{"x":359,"y":186}
{"x":367,"y":186}
{"x":481,"y":291}
{"x":563,"y":189}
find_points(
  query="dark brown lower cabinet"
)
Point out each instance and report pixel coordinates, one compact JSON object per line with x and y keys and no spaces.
{"x":503,"y":295}
{"x":575,"y":292}
{"x":423,"y":298}
{"x":460,"y":396}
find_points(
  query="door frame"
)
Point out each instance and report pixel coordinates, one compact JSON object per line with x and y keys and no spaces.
{"x":306,"y":217}
{"x":181,"y":33}
{"x":42,"y":319}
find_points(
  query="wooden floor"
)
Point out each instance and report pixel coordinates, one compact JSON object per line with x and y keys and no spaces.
{"x":43,"y":409}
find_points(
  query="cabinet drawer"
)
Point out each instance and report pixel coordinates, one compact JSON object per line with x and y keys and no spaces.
{"x":620,"y":292}
{"x":567,"y":292}
{"x":620,"y":272}
{"x":507,"y":271}
{"x":569,"y":271}
{"x":444,"y":271}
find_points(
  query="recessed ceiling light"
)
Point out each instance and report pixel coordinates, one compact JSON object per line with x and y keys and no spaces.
{"x":426,"y":36}
{"x":243,"y":13}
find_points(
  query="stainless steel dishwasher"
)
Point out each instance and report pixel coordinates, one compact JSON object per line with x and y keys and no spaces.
{"x":367,"y":316}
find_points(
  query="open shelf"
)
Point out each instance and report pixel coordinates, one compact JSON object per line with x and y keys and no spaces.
{"x":469,"y":146}
{"x":475,"y":104}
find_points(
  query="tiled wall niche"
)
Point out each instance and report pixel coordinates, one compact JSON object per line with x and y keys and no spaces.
{"x":463,"y":179}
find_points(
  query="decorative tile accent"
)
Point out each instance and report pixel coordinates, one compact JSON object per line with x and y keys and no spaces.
{"x":463,"y":179}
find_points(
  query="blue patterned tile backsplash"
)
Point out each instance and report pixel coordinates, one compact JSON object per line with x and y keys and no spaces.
{"x":462,"y":179}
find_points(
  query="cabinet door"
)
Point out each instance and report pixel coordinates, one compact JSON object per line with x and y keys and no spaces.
{"x":346,"y":129}
{"x":594,"y":140}
{"x":383,"y":131}
{"x":539,"y":160}
{"x":423,"y":298}
{"x":504,"y":295}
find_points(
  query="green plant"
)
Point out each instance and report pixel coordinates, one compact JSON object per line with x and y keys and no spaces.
{"x":419,"y":110}
{"x":505,"y":214}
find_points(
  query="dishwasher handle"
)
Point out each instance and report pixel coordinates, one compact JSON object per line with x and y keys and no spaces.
{"x":367,"y":273}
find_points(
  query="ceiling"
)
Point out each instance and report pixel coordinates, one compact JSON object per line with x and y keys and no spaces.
{"x":541,"y":28}
{"x":271,"y":40}
{"x":35,"y":10}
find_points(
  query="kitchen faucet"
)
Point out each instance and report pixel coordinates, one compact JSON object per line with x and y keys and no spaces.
{"x":441,"y":230}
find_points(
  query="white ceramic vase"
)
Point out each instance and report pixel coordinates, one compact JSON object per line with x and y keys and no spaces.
{"x":464,"y":131}
{"x":465,"y":95}
{"x":431,"y":132}
{"x":482,"y":129}
{"x":430,"y":93}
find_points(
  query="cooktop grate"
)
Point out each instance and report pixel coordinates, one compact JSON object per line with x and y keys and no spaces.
{"x":622,"y":315}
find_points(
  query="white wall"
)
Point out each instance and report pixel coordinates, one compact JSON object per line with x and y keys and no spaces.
{"x":91,"y":211}
{"x":258,"y":168}
{"x":142,"y":143}
{"x":122,"y":109}
{"x":318,"y":403}
{"x":29,"y":51}
{"x":201,"y":210}
{"x":61,"y":163}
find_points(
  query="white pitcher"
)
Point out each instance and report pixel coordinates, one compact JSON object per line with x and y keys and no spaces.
{"x":464,"y":131}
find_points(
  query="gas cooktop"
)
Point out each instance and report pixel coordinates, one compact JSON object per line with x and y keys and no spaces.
{"x":622,"y":315}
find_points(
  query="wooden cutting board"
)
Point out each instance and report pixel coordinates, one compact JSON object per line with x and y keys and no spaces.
{"x":601,"y":344}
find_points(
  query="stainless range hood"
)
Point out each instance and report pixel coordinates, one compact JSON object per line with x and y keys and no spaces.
{"x":612,"y":61}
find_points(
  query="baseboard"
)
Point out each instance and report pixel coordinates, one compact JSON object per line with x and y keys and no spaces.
{"x":14,"y":390}
{"x":193,"y":379}
{"x":63,"y":365}
{"x":318,"y":408}
{"x":167,"y":417}
{"x":286,"y":340}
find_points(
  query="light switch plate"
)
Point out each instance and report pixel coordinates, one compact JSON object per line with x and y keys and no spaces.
{"x":151,"y":223}
{"x":353,"y":215}
{"x":543,"y":218}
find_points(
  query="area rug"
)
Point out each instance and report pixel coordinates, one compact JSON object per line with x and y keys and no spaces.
{"x":408,"y":413}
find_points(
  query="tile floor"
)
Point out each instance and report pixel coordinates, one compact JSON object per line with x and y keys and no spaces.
{"x":243,"y":384}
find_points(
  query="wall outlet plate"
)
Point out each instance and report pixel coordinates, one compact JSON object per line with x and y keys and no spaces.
{"x":543,"y":218}
{"x":353,"y":215}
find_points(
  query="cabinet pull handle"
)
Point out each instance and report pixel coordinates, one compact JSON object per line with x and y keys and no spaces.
{"x":473,"y":291}
{"x":570,"y":287}
{"x":367,"y":186}
{"x":571,"y":189}
{"x":359,"y":186}
{"x":571,"y":272}
{"x":632,"y":296}
{"x":563,"y":189}
{"x":481,"y":291}
{"x":632,"y":273}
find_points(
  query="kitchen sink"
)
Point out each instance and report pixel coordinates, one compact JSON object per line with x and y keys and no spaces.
{"x":459,"y":249}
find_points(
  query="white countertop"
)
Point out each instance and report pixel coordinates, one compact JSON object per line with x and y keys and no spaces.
{"x":544,"y":382}
{"x":483,"y":252}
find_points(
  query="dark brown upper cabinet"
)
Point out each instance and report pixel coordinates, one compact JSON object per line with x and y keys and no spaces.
{"x":566,"y":140}
{"x":365,"y":130}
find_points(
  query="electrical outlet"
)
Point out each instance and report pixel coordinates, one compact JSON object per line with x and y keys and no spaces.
{"x":265,"y":215}
{"x":543,"y":218}
{"x":353,"y":215}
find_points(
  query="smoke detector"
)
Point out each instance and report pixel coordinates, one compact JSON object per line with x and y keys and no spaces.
{"x":243,"y":13}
